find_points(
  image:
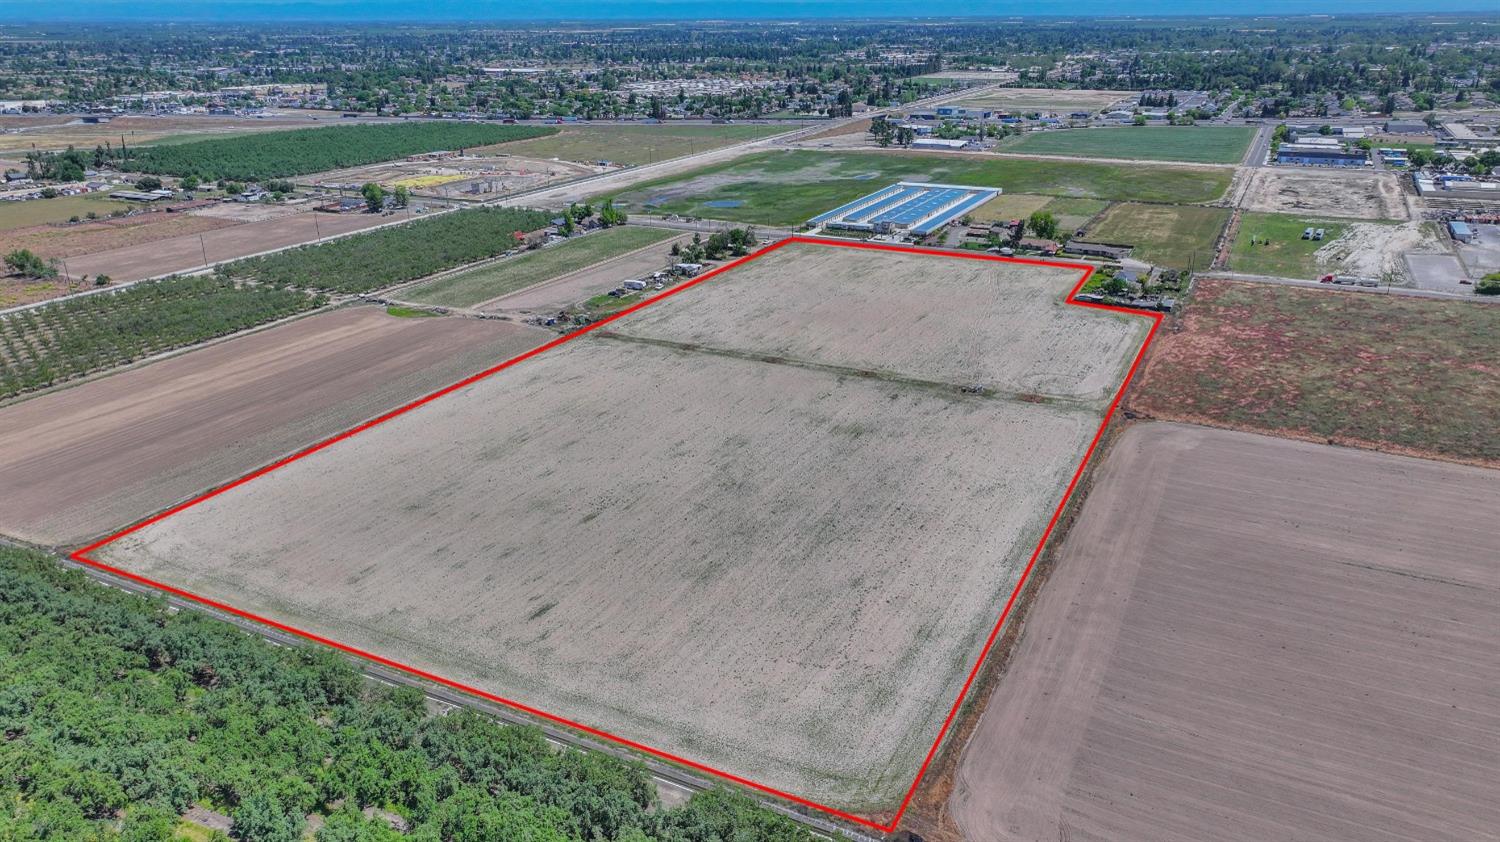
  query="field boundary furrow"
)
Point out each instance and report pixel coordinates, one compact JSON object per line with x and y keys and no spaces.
{"x":947,"y":387}
{"x":84,"y":554}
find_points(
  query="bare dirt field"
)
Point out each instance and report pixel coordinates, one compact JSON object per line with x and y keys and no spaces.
{"x":783,"y":567}
{"x":1312,"y":191}
{"x":106,"y":234}
{"x":1047,"y":100}
{"x":1409,"y":375}
{"x":958,"y":325}
{"x":180,"y":253}
{"x":84,"y":460}
{"x":471,"y":175}
{"x":1254,"y":638}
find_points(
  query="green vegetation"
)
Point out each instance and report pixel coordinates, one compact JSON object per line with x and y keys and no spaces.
{"x":387,"y":256}
{"x":119,"y":715}
{"x":1272,"y":244}
{"x":1196,"y":144}
{"x":790,"y":187}
{"x":408,"y":312}
{"x":465,"y":289}
{"x":636,"y":144}
{"x":61,"y":209}
{"x":29,"y":264}
{"x":1177,"y":236}
{"x":264,"y":155}
{"x":56,"y":342}
{"x":1489,"y":284}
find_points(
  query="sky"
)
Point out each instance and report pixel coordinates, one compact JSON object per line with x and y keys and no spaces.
{"x":352,"y":11}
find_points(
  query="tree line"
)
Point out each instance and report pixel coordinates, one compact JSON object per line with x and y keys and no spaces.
{"x":118,"y":715}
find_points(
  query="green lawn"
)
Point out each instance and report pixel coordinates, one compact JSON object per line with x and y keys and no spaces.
{"x":790,"y":187}
{"x":635,"y":143}
{"x":507,"y":275}
{"x":1175,"y":236}
{"x":1196,"y":144}
{"x":43,"y":211}
{"x":1280,"y":250}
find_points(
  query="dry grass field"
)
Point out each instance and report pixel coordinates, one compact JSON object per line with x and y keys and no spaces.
{"x":1003,"y":326}
{"x":1322,"y":192}
{"x":1409,"y":375}
{"x":1253,"y":638}
{"x":106,"y":234}
{"x":779,"y":564}
{"x":81,"y":461}
{"x":1176,"y":236}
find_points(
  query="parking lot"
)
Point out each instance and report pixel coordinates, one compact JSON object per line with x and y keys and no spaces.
{"x":1482,"y":256}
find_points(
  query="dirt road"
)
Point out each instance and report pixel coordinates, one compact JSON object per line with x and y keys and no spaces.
{"x":84,"y":460}
{"x":1254,"y":638}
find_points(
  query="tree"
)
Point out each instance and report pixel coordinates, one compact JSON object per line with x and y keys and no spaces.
{"x":148,"y":182}
{"x":29,"y":264}
{"x":402,"y":197}
{"x":609,"y":216}
{"x":374,"y":197}
{"x":1489,"y":284}
{"x":50,"y":193}
{"x":189,"y":183}
{"x":1042,"y":224}
{"x":262,"y":817}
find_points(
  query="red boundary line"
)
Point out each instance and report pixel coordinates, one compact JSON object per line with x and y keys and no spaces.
{"x":82,"y":555}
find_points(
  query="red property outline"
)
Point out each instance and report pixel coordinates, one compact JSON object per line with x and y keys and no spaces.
{"x":82,"y":555}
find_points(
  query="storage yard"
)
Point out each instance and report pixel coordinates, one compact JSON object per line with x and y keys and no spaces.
{"x":688,"y":570}
{"x":79,"y":462}
{"x":1253,"y":638}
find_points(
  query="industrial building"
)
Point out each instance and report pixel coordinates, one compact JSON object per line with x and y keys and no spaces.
{"x":906,"y":207}
{"x":1310,"y":154}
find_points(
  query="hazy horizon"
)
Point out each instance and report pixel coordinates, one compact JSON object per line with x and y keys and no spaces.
{"x":22,"y":12}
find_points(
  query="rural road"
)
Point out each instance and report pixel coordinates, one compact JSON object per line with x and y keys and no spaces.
{"x":1384,"y":290}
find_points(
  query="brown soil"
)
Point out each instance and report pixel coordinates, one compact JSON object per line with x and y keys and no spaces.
{"x":106,"y":234}
{"x":84,"y":460}
{"x":1253,"y":638}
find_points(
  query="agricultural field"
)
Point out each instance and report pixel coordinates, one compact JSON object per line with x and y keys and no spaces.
{"x":1069,"y":213}
{"x":1278,"y":249}
{"x":1245,"y":637}
{"x":481,"y":284}
{"x":21,"y":133}
{"x":1176,"y":236}
{"x":1194,"y":144}
{"x":15,"y":215}
{"x":1315,"y":191}
{"x":636,"y":144}
{"x":376,"y":259}
{"x":1048,"y":100}
{"x":79,"y":462}
{"x":301,"y":151}
{"x":790,"y":187}
{"x":91,"y":236}
{"x":58,"y":342}
{"x":585,"y":285}
{"x":1408,"y":375}
{"x":782,"y":566}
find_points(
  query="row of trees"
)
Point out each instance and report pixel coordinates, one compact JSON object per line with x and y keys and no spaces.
{"x":267,"y":155}
{"x":67,"y":339}
{"x":118,"y":715}
{"x":377,"y":259}
{"x":736,"y":242}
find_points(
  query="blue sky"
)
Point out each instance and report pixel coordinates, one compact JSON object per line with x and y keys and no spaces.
{"x":407,"y":10}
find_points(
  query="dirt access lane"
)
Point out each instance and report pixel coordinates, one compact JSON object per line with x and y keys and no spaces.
{"x":1253,"y":638}
{"x":84,"y":460}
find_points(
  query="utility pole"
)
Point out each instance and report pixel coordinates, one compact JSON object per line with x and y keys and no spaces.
{"x":203,"y":245}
